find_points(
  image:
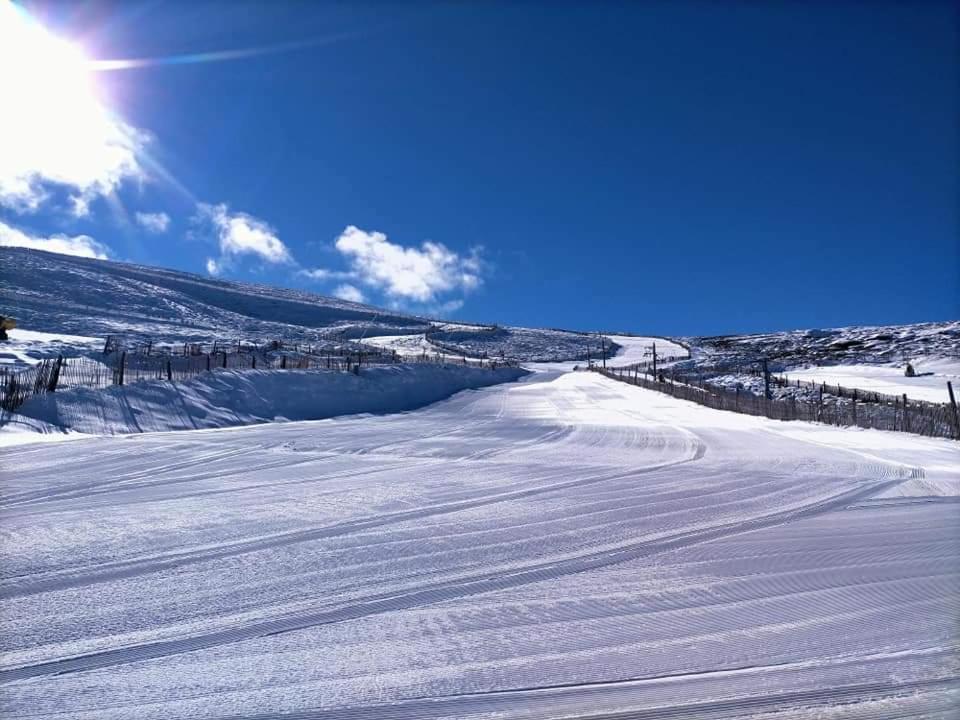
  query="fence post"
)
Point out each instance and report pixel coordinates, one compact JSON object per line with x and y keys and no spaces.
{"x":123,"y":361}
{"x":55,"y":375}
{"x":906,"y":414}
{"x":953,"y":404}
{"x":224,"y":359}
{"x":208,"y":362}
{"x":854,"y":407}
{"x":169,"y":369}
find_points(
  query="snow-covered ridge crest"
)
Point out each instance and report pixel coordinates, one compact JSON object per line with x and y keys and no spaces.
{"x":89,"y":298}
{"x":837,"y":346}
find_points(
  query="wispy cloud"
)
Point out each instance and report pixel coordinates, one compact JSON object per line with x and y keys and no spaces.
{"x":156,"y":222}
{"x":239,"y":234}
{"x":80,"y":245}
{"x":325,"y":274}
{"x":349,"y":292}
{"x":411,"y":274}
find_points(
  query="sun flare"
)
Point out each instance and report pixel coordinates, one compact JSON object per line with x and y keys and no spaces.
{"x":61,"y":131}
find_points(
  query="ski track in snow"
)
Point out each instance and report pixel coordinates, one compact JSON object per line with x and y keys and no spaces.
{"x":566,"y":545}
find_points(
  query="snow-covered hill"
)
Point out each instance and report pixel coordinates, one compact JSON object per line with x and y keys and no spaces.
{"x":836,"y":346}
{"x":89,"y":299}
{"x":86,"y":297}
{"x":869,"y":358}
{"x":79,"y":301}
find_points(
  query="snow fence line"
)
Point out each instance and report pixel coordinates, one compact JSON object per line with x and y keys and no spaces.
{"x":920,"y":418}
{"x":228,"y":398}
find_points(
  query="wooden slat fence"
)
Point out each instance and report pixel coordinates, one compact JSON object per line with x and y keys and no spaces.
{"x":122,"y":367}
{"x":921,"y":418}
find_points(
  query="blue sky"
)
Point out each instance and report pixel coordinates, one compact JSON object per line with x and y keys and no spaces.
{"x":672,"y":167}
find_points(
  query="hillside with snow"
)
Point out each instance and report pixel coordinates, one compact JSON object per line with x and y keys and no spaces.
{"x":869,"y":358}
{"x":88,"y":299}
{"x":836,"y":346}
{"x":440,"y":538}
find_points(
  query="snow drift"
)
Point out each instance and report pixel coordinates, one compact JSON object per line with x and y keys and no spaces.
{"x":228,"y":398}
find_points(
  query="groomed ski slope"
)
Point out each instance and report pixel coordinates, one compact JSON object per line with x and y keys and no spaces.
{"x":565,"y":546}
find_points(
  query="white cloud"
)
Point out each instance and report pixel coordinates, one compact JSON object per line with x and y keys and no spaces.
{"x":80,"y":245}
{"x":349,"y":292}
{"x":408,"y":273}
{"x":54,"y":129}
{"x":241,"y":234}
{"x":156,"y":223}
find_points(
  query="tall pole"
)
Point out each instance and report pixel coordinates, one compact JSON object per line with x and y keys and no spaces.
{"x":953,"y":404}
{"x":654,"y":360}
{"x":603,"y":349}
{"x":766,"y":380}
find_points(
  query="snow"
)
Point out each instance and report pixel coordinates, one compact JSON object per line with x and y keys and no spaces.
{"x":838,"y":346}
{"x":231,"y":397}
{"x":637,"y":349}
{"x":565,"y":545}
{"x":84,"y":296}
{"x":529,"y":344}
{"x":67,"y":295}
{"x":889,"y":380}
{"x":630,"y":349}
{"x":28,"y":347}
{"x":425,"y":541}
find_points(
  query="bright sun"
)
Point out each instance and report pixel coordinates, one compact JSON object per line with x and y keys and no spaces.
{"x":57,"y":129}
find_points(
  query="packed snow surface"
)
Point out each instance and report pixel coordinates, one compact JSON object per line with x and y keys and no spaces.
{"x":562,"y":546}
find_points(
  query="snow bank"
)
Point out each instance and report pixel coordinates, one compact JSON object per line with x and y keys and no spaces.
{"x":228,"y":398}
